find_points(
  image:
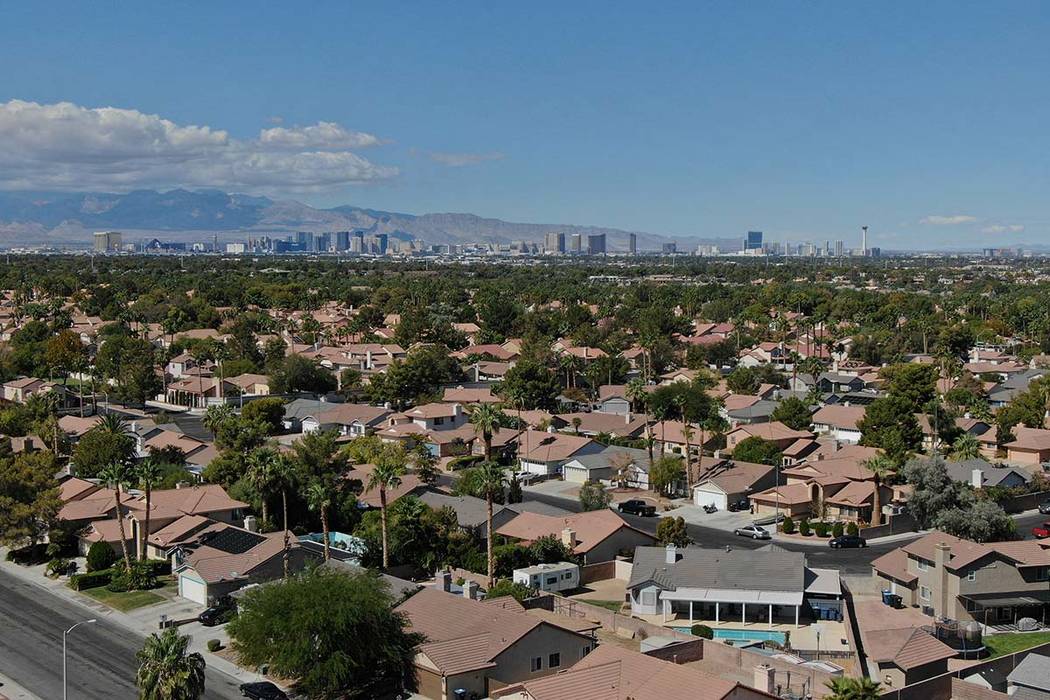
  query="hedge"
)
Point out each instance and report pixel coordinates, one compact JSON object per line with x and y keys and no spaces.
{"x":788,"y":526}
{"x":92,"y":579}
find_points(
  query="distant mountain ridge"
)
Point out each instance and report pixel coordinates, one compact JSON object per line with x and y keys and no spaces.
{"x":28,"y":218}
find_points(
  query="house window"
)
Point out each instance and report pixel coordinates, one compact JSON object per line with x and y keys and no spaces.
{"x":554,"y":660}
{"x":537,"y":663}
{"x":924,"y":592}
{"x":921,"y":565}
{"x":439,"y":421}
{"x":971,"y":575}
{"x":648,"y":597}
{"x":1041,"y":574}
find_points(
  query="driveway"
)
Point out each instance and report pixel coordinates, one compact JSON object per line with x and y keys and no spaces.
{"x":719,"y":520}
{"x":554,"y":487}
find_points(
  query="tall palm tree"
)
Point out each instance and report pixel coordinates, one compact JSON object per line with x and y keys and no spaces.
{"x":284,"y":478}
{"x":148,"y":473}
{"x":487,"y":419}
{"x":490,"y":482}
{"x":117,"y":475}
{"x":881,"y":467}
{"x":319,"y":498}
{"x":261,"y":477}
{"x":386,"y":475}
{"x":846,"y":688}
{"x":166,"y":671}
{"x":638,"y":396}
{"x":687,"y":433}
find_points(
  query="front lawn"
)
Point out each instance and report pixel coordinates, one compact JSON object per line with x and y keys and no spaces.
{"x":614,"y":605}
{"x":1002,"y":644}
{"x":124,"y":601}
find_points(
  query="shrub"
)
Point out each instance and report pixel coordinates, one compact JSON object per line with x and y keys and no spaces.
{"x":820,"y":529}
{"x":157,"y":567}
{"x":28,"y":556}
{"x":788,"y":526}
{"x":803,"y":527}
{"x":852,"y":529}
{"x":137,"y":578}
{"x":91,"y":579}
{"x":214,"y":645}
{"x":59,"y":567}
{"x":837,"y":530}
{"x":100,"y":557}
{"x":702,"y":631}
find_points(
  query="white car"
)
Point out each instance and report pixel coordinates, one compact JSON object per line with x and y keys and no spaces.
{"x":754,"y":532}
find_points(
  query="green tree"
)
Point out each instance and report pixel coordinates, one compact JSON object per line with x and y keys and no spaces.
{"x":742,"y":380}
{"x":337,"y":633}
{"x":882,"y":468}
{"x":297,"y":373}
{"x":506,"y":587}
{"x":416,"y":378}
{"x":100,"y":556}
{"x":117,"y":475}
{"x":911,"y":382}
{"x":166,"y":671}
{"x":593,"y":496}
{"x":268,"y":411}
{"x":491,"y":480}
{"x":107,"y":442}
{"x":757,"y":451}
{"x":148,"y":474}
{"x":319,"y":498}
{"x":673,"y":531}
{"x":933,"y":491}
{"x":846,"y":688}
{"x":889,"y":423}
{"x":487,"y":420}
{"x":533,"y":385}
{"x":665,"y":473}
{"x":794,"y":413}
{"x":29,"y":500}
{"x":965,"y":447}
{"x":386,"y":474}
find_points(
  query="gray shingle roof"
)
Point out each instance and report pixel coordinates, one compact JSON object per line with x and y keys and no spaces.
{"x":740,"y":569}
{"x":1032,"y":672}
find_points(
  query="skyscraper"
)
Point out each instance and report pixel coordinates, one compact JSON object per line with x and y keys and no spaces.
{"x":342,"y":240}
{"x":383,"y":240}
{"x":632,"y":243}
{"x":554,"y":242}
{"x":596,"y":244}
{"x":864,"y":240}
{"x":754,"y":240}
{"x":576,"y":243}
{"x":108,"y":241}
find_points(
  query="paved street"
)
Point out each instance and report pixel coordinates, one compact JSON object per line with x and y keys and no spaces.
{"x":101,"y":656}
{"x":847,"y":561}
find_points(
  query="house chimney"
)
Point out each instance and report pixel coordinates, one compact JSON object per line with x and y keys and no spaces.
{"x":444,"y":579}
{"x":470,"y":590}
{"x":251,"y":524}
{"x":550,"y":429}
{"x":765,"y":679}
{"x":977,"y":478}
{"x":568,"y":537}
{"x":670,"y":554}
{"x":942,"y":554}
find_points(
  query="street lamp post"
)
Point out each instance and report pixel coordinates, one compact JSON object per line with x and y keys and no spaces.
{"x":64,"y":635}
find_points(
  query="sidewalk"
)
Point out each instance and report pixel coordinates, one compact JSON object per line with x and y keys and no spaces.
{"x":815,"y":541}
{"x":139,"y":621}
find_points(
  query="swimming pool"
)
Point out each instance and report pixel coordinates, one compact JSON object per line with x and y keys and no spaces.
{"x":744,"y":635}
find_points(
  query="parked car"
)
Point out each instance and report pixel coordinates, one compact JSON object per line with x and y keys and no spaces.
{"x":220,"y":613}
{"x":1044,"y":507}
{"x":263,"y":690}
{"x":637,"y":506}
{"x":1041,"y":531}
{"x":847,"y":542}
{"x":737,"y":506}
{"x":754,"y":532}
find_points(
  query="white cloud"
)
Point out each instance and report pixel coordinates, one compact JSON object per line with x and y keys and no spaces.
{"x":66,"y":146}
{"x":1003,"y":228}
{"x":323,"y":136}
{"x":459,"y":160}
{"x":951,"y":220}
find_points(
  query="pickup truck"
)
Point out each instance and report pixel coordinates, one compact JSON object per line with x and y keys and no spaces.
{"x":637,"y":506}
{"x":1042,"y":531}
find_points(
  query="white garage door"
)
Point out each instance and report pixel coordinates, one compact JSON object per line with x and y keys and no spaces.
{"x":574,"y":475}
{"x":194,"y":590}
{"x":703,"y":497}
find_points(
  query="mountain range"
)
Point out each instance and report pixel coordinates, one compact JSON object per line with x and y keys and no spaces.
{"x":68,"y":219}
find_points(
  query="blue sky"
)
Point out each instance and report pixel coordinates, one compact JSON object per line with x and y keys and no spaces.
{"x":927,"y":121}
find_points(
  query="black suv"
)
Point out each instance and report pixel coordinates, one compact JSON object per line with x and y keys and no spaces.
{"x":637,"y":506}
{"x":847,"y":541}
{"x":220,"y":613}
{"x":263,"y":690}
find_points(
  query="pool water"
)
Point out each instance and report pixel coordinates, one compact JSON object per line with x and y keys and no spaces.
{"x":744,"y":635}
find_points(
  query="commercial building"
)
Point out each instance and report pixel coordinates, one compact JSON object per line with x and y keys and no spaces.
{"x":576,"y":243}
{"x":554,"y":242}
{"x":108,"y":241}
{"x":596,"y":244}
{"x":753,"y":241}
{"x":632,"y":243}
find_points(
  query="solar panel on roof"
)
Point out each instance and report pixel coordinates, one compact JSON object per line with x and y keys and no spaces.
{"x":234,"y":541}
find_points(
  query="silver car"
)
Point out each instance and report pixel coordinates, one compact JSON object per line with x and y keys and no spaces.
{"x":754,"y":532}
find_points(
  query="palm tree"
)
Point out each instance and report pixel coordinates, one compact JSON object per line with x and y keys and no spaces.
{"x":260,"y":475}
{"x":283,"y":475}
{"x":319,"y":498}
{"x":216,"y":416}
{"x":638,"y":396}
{"x":487,"y":419}
{"x":166,"y":671}
{"x":881,"y":467}
{"x":687,"y":433}
{"x":490,"y":482}
{"x":386,"y":475}
{"x":966,"y":446}
{"x":116,"y":475}
{"x":846,"y":688}
{"x":149,"y":474}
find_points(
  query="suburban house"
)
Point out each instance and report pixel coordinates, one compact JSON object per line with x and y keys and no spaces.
{"x":725,"y":584}
{"x":594,"y":536}
{"x":1030,"y":678}
{"x":1029,"y":446}
{"x":612,"y":398}
{"x":608,"y":466}
{"x":222,"y":558}
{"x":898,"y":648}
{"x":478,"y":646}
{"x":546,"y":453}
{"x":744,"y":409}
{"x":775,"y":432}
{"x":990,"y":583}
{"x":612,"y":672}
{"x":720,"y":482}
{"x":469,"y":395}
{"x":19,"y":390}
{"x":434,"y":416}
{"x":839,"y":422}
{"x":410,"y":484}
{"x":625,"y":425}
{"x":248,"y":385}
{"x":349,"y":419}
{"x":980,"y":473}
